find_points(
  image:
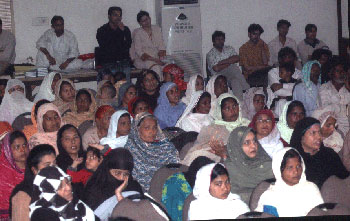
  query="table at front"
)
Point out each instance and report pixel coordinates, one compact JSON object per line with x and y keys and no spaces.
{"x":76,"y":77}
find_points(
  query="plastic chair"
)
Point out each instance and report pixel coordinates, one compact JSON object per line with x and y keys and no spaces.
{"x":21,"y":121}
{"x":83,"y":127}
{"x":329,"y":209}
{"x":336,"y":190}
{"x":258,"y":191}
{"x":254,"y":215}
{"x":186,"y":207}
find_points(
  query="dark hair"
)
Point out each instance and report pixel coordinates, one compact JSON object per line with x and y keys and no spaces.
{"x":84,"y":91}
{"x":38,"y":104}
{"x":140,"y":15}
{"x":204,"y":95}
{"x":217,"y":34}
{"x":196,"y":164}
{"x":218,"y":170}
{"x":309,"y":27}
{"x":220,"y":77}
{"x":226,"y":100}
{"x":255,"y":27}
{"x":3,"y":81}
{"x":110,"y":89}
{"x":317,"y":54}
{"x":294,"y":104}
{"x":118,"y":76}
{"x":283,"y":22}
{"x":286,"y":51}
{"x":115,"y":8}
{"x":34,"y":158}
{"x":141,"y":99}
{"x":95,"y":152}
{"x":0,"y":21}
{"x":17,"y":134}
{"x":288,"y":155}
{"x":56,"y":18}
{"x":145,"y":72}
{"x":289,"y":67}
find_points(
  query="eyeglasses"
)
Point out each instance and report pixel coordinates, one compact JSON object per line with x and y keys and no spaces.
{"x":264,"y":121}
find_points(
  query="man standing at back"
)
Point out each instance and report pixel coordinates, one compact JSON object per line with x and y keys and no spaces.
{"x":114,"y":39}
{"x":222,"y":59}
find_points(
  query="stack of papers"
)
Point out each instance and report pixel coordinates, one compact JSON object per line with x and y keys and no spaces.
{"x":42,"y":72}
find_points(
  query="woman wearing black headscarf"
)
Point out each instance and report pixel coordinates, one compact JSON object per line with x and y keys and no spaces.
{"x":109,"y":176}
{"x":321,"y":162}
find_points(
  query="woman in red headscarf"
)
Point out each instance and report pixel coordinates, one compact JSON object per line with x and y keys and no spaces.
{"x":173,"y":73}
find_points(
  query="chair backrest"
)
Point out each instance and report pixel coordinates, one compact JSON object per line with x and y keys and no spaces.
{"x":253,"y":214}
{"x":21,"y":121}
{"x":258,"y":191}
{"x":336,"y":190}
{"x":186,"y":207}
{"x":185,"y":150}
{"x":83,"y":127}
{"x":329,"y":209}
{"x":160,"y":176}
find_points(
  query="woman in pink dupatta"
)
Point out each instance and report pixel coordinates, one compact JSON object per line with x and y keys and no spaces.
{"x":49,"y":122}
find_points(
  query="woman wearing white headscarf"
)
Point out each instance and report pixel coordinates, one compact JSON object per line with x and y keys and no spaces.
{"x":113,"y":138}
{"x":47,"y":87}
{"x":254,"y":100}
{"x":195,"y":83}
{"x":292,"y":195}
{"x":327,"y":117}
{"x":196,"y":114}
{"x":14,"y":102}
{"x":213,"y":197}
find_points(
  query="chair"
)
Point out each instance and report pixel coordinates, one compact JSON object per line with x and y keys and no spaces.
{"x":21,"y":121}
{"x":185,"y":150}
{"x":253,"y":214}
{"x":83,"y":127}
{"x":336,"y":190}
{"x":258,"y":191}
{"x":329,"y":209}
{"x":186,"y":207}
{"x":160,"y":176}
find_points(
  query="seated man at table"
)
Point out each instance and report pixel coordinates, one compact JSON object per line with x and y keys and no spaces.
{"x":307,"y":46}
{"x":254,"y":57}
{"x":7,"y":50}
{"x":58,"y":48}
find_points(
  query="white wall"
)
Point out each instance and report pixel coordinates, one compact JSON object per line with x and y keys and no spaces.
{"x":83,"y":17}
{"x":345,"y":14}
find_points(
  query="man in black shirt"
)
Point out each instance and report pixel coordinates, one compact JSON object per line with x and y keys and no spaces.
{"x":114,"y":39}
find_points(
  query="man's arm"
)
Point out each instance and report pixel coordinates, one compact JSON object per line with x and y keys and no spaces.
{"x":51,"y":59}
{"x":221,"y":65}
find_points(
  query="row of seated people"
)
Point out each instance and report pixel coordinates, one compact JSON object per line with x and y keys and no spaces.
{"x":213,"y":119}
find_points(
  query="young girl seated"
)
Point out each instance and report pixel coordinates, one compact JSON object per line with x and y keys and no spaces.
{"x":292,"y":195}
{"x":196,"y":83}
{"x":92,"y":160}
{"x":213,"y":197}
{"x":138,"y":105}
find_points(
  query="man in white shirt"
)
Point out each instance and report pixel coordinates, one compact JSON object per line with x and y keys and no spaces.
{"x":280,"y":42}
{"x":7,"y":49}
{"x":337,"y":92}
{"x":58,"y":48}
{"x":222,"y":59}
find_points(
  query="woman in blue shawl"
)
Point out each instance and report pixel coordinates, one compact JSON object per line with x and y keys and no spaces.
{"x":169,"y":108}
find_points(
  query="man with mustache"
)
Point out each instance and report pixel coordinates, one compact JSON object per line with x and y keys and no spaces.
{"x":337,"y":92}
{"x":58,"y":48}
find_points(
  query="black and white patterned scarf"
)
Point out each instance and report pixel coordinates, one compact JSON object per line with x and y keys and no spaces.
{"x":45,"y":186}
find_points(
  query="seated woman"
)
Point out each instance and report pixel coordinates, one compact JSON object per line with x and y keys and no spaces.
{"x":147,"y":49}
{"x":307,"y":91}
{"x":269,"y":137}
{"x":70,"y":147}
{"x":54,"y":198}
{"x":14,"y":152}
{"x":49,"y":122}
{"x":292,"y":195}
{"x":96,"y":133}
{"x":106,"y":94}
{"x":216,"y":86}
{"x":109,"y":177}
{"x":321,"y":162}
{"x":195,"y":83}
{"x":148,"y":87}
{"x":31,"y":129}
{"x":293,"y":111}
{"x":118,"y":131}
{"x":179,"y":186}
{"x":84,"y":108}
{"x":127,"y":92}
{"x":169,"y":108}
{"x":173,"y":73}
{"x":64,"y":95}
{"x":39,"y":157}
{"x":253,"y":101}
{"x":330,"y":136}
{"x":93,"y":159}
{"x":196,"y":114}
{"x":213,"y":197}
{"x":14,"y":102}
{"x":247,"y":162}
{"x":47,"y":87}
{"x":138,"y":105}
{"x":150,"y":148}
{"x":228,"y":112}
